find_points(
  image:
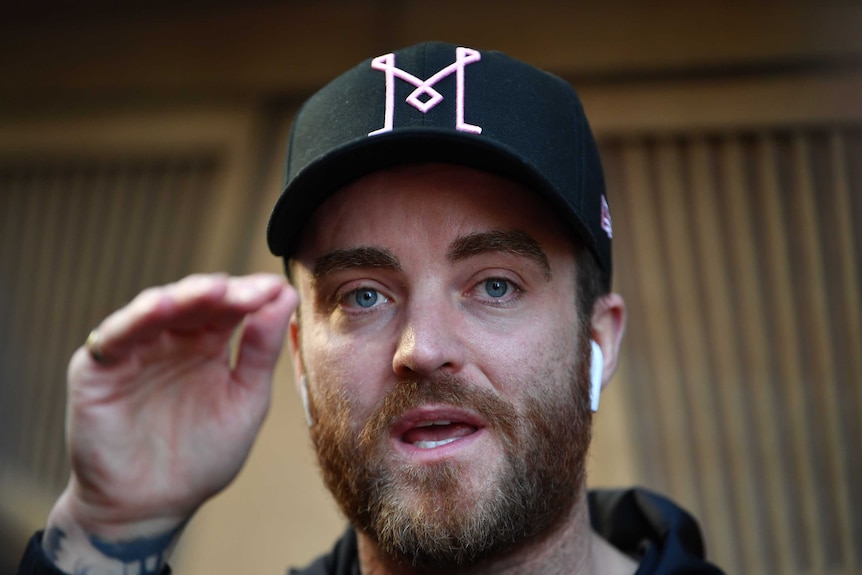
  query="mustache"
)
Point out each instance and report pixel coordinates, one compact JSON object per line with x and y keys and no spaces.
{"x":446,"y":389}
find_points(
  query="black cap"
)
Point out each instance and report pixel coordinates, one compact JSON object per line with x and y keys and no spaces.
{"x":437,"y":102}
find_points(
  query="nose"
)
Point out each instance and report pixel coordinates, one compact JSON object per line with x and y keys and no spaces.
{"x":429,"y":342}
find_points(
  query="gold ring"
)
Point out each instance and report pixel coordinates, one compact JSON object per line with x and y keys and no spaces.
{"x":92,"y":345}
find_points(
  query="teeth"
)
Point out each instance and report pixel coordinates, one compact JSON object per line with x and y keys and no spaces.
{"x":433,"y":444}
{"x":430,"y":423}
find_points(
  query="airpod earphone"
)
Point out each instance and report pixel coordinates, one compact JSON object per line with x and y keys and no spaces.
{"x":597,"y":365}
{"x":303,"y":392}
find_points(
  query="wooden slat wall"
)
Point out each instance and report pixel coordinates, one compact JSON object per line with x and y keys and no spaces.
{"x":739,"y":255}
{"x":78,"y":238}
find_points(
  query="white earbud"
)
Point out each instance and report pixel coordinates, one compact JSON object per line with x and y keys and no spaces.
{"x":597,"y":366}
{"x":303,"y":392}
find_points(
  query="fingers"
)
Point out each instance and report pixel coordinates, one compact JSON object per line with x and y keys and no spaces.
{"x":196,"y":304}
{"x":263,"y":338}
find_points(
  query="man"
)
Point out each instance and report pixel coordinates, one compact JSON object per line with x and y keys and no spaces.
{"x":445,"y":228}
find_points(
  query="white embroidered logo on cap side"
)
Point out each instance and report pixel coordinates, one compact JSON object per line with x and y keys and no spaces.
{"x":386,"y":64}
{"x":606,"y":218}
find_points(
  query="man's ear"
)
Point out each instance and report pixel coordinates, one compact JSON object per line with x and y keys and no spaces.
{"x":608,"y":325}
{"x":294,"y":335}
{"x":295,"y":347}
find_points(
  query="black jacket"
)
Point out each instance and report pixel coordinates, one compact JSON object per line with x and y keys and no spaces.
{"x":662,"y":537}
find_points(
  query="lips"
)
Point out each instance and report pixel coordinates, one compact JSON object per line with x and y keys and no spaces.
{"x":428,"y":429}
{"x":428,"y":435}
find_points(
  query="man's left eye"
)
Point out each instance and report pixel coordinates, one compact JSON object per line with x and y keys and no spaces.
{"x":496,"y":287}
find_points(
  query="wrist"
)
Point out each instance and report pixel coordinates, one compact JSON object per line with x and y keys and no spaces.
{"x":77,"y":545}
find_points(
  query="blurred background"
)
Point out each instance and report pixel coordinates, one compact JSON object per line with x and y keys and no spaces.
{"x":141,"y":141}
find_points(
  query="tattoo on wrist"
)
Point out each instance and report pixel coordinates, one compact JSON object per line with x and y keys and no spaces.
{"x":142,"y":556}
{"x":147,"y":553}
{"x":52,"y":541}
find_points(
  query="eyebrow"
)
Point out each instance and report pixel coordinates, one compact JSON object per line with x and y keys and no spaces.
{"x":502,"y":241}
{"x":361,"y":257}
{"x":512,"y":242}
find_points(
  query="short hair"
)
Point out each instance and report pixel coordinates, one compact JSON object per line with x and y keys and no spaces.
{"x":591,"y":282}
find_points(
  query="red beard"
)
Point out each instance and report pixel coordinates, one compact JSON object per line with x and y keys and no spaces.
{"x":420,"y":514}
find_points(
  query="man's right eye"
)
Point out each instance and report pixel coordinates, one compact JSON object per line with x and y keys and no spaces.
{"x":363,"y":298}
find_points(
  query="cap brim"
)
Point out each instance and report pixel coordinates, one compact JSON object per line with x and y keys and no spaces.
{"x":349,"y":162}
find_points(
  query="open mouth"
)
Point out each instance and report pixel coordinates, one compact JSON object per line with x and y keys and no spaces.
{"x":437,"y":433}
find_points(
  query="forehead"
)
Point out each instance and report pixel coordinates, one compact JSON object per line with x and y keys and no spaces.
{"x":428,"y":202}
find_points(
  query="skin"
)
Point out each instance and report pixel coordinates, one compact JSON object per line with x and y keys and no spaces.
{"x":167,"y":419}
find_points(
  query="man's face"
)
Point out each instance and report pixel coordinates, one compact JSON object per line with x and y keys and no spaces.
{"x":446,"y":362}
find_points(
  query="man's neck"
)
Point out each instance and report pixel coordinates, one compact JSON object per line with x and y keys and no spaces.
{"x":572,"y":549}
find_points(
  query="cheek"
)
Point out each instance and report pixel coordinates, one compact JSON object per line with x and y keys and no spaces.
{"x":519,"y":361}
{"x":357,"y":371}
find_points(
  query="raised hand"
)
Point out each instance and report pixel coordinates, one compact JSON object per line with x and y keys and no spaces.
{"x":161,"y":415}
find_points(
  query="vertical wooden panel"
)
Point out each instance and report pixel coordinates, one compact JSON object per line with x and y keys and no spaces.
{"x":56,"y":227}
{"x":759,"y":402}
{"x":785,"y":335}
{"x":22,"y":274}
{"x":10,"y":351}
{"x":832,"y":499}
{"x":846,"y":312}
{"x":669,"y":415}
{"x":683,"y":313}
{"x":68,"y":257}
{"x":739,"y":538}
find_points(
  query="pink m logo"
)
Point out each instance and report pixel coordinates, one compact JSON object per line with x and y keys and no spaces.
{"x":425,"y":88}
